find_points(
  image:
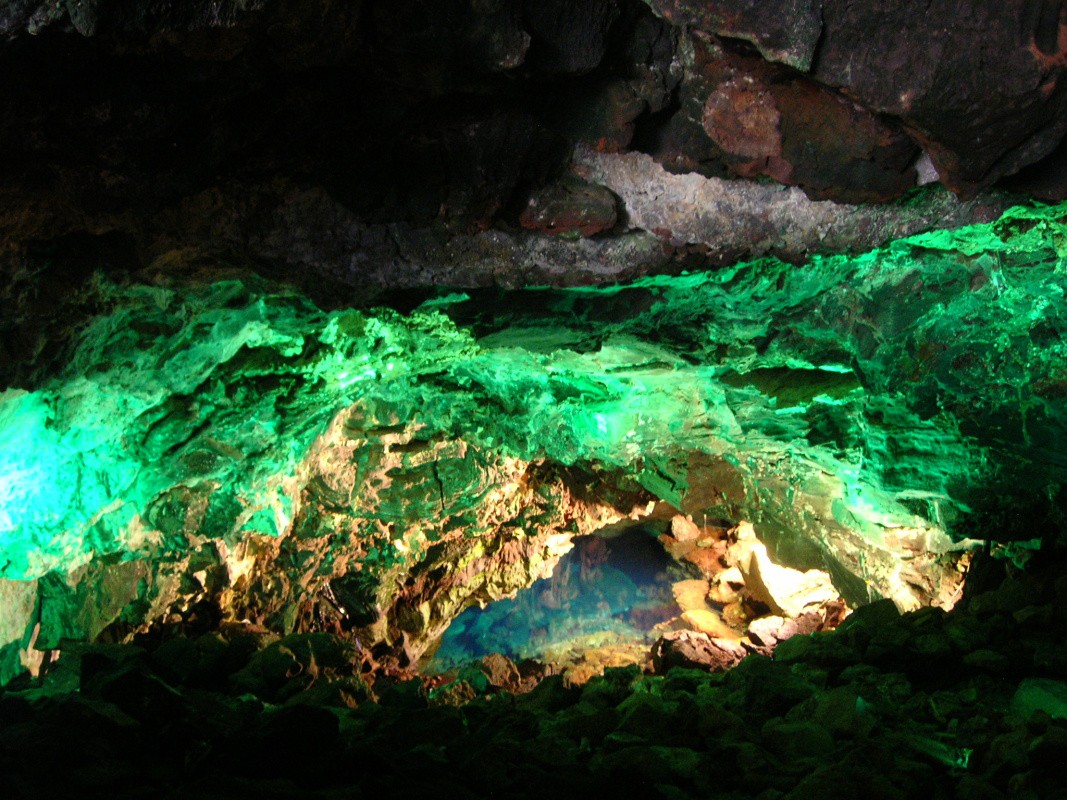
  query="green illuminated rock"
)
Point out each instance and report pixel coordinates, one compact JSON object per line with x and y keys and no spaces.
{"x":235,"y":442}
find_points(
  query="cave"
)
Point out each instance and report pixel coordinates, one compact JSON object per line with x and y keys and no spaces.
{"x":533,"y":398}
{"x":600,"y":607}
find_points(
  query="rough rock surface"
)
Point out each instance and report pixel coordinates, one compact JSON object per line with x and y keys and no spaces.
{"x":768,"y":120}
{"x":396,"y":145}
{"x":918,"y":63}
{"x":889,"y":706}
{"x":977,"y":85}
{"x":696,"y":649}
{"x":380,"y":471}
{"x":570,"y":207}
{"x":730,"y":217}
{"x":786,"y":31}
{"x":277,"y":505}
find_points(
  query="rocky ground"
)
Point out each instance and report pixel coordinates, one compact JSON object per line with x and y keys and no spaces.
{"x":964,"y":704}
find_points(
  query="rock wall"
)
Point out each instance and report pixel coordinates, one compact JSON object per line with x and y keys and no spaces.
{"x":388,"y":144}
{"x":233,"y":444}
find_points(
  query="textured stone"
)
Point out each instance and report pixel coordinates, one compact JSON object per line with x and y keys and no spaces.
{"x":233,"y":449}
{"x":691,"y":595}
{"x":764,"y":631}
{"x":787,"y":31}
{"x":791,"y":741}
{"x":34,"y":16}
{"x":17,"y":636}
{"x":488,"y":37}
{"x":79,"y":605}
{"x":765,"y":729}
{"x":704,"y":620}
{"x":917,"y":62}
{"x":566,"y":37}
{"x":1040,"y":695}
{"x":442,"y":119}
{"x":729,"y":217}
{"x":569,"y":208}
{"x":695,"y":649}
{"x":501,"y":672}
{"x":767,"y":120}
{"x":872,"y":616}
{"x":785,"y":591}
{"x":683,"y":530}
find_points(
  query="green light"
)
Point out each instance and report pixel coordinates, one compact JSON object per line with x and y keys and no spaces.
{"x":848,"y":396}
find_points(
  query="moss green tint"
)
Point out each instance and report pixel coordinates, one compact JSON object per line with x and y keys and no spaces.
{"x":903,"y":388}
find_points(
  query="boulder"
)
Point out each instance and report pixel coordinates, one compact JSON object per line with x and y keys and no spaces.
{"x":693,"y":649}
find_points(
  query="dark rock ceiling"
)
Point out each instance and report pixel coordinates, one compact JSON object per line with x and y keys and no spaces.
{"x":411,"y":143}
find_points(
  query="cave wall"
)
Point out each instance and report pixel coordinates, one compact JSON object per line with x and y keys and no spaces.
{"x":817,"y":306}
{"x":377,"y":472}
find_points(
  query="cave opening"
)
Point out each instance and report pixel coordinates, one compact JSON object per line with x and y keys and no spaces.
{"x":610,"y":597}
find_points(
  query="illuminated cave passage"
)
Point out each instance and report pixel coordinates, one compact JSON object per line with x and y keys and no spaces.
{"x":605,"y":592}
{"x":621,"y":590}
{"x":533,"y":399}
{"x":375,"y":471}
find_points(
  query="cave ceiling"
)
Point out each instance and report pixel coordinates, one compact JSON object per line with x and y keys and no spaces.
{"x":395,"y":144}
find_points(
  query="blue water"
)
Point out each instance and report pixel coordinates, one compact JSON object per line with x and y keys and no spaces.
{"x":618,"y":587}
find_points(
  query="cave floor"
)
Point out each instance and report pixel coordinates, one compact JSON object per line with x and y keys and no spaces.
{"x":964,"y":704}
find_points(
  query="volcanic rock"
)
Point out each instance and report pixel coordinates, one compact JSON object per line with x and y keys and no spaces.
{"x":917,"y":63}
{"x":570,"y":207}
{"x":785,"y":31}
{"x":695,"y":649}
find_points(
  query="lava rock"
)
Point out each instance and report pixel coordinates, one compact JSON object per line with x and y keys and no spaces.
{"x":693,"y":649}
{"x":483,"y":37}
{"x":1041,"y":694}
{"x":501,"y":672}
{"x":767,"y":121}
{"x":765,"y":630}
{"x":785,"y":31}
{"x":793,"y":741}
{"x":295,"y":663}
{"x":865,"y":619}
{"x":916,"y":62}
{"x":767,"y":688}
{"x":690,"y":209}
{"x":567,"y":37}
{"x":552,"y":694}
{"x":570,"y":207}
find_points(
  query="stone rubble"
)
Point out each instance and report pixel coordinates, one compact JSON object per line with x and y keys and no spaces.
{"x":945,"y":705}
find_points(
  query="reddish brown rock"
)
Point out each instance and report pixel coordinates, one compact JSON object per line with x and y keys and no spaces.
{"x":979,"y":84}
{"x":741,"y":117}
{"x":692,"y":649}
{"x":570,"y":206}
{"x":786,"y":31}
{"x":500,"y":671}
{"x":769,"y":121}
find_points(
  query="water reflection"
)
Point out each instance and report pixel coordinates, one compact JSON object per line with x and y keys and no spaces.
{"x":605,"y":591}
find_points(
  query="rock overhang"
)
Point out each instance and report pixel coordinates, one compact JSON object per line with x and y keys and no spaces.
{"x":234,"y":441}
